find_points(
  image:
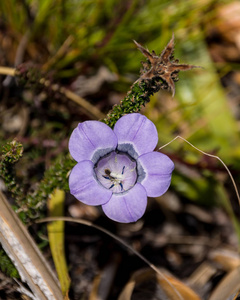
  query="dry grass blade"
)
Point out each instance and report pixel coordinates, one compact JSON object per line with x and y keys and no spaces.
{"x":228,"y":260}
{"x":228,"y":286}
{"x":60,"y":53}
{"x":236,"y":297}
{"x":164,"y":290}
{"x":202,"y":275}
{"x":26,"y":256}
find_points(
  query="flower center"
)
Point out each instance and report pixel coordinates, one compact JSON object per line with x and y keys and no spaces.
{"x":116,"y":172}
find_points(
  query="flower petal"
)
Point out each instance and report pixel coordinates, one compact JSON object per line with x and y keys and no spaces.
{"x":91,"y":140}
{"x":127,"y":207}
{"x":158,"y":172}
{"x":137,"y":131}
{"x":84,"y":187}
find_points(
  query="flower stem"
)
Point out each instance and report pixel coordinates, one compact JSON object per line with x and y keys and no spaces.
{"x":137,"y":97}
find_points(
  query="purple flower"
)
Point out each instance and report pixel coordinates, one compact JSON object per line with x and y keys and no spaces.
{"x":118,"y":168}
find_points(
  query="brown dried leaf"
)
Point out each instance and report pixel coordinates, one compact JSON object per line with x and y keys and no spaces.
{"x":26,"y":256}
{"x":168,"y":286}
{"x":229,"y":285}
{"x":163,"y":66}
{"x":225,"y":258}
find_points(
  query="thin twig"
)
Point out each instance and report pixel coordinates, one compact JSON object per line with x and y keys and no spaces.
{"x":60,"y":53}
{"x":210,"y":155}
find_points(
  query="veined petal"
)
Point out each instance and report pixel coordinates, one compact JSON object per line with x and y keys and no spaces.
{"x":91,"y":140}
{"x":158,"y":169}
{"x":84,"y":187}
{"x":137,"y":131}
{"x":127,"y":207}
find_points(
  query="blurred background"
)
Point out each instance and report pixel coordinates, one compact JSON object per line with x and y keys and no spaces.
{"x":87,"y":47}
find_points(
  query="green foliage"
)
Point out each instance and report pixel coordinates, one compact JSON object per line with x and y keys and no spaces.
{"x":33,"y":204}
{"x":204,"y":108}
{"x":201,"y":188}
{"x":11,"y":153}
{"x":55,"y":177}
{"x":29,"y":76}
{"x":137,"y":97}
{"x":6,"y":265}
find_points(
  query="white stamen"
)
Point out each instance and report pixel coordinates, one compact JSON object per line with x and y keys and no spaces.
{"x":117,"y":176}
{"x":117,"y":172}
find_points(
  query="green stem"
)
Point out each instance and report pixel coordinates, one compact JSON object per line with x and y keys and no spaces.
{"x":137,"y":97}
